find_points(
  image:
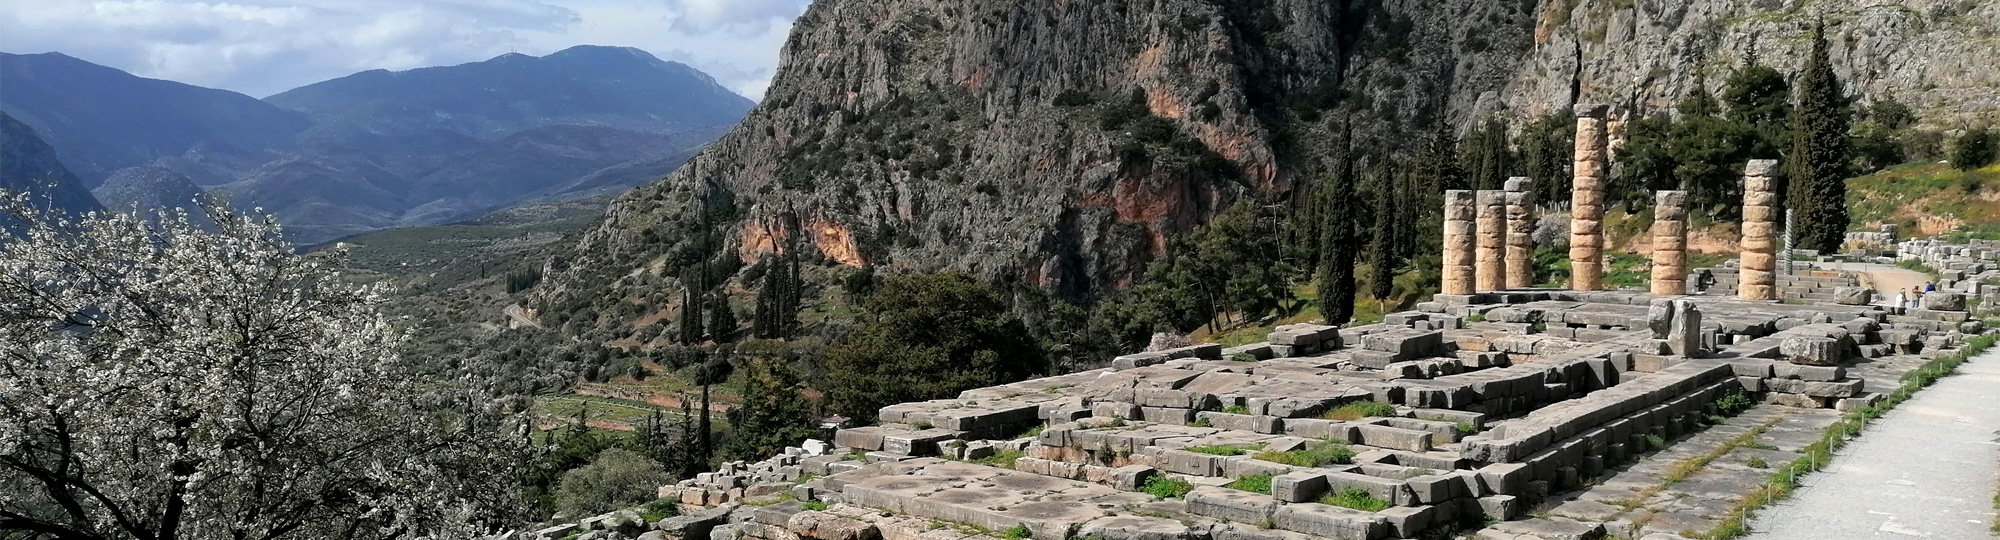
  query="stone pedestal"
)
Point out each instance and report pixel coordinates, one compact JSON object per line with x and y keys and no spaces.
{"x":1490,"y":274}
{"x":1670,"y":243}
{"x":1757,"y":278}
{"x":1586,"y":218}
{"x":1520,"y":233}
{"x":1458,"y":242}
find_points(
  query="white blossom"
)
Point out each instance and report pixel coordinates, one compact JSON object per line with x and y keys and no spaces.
{"x":165,"y":382}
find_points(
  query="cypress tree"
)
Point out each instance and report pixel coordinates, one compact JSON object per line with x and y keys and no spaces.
{"x":691,"y":307}
{"x":1382,"y":246}
{"x":1820,"y":154}
{"x":721,"y":319}
{"x":1336,"y":275}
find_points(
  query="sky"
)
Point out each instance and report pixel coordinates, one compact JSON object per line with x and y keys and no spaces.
{"x":262,"y":47}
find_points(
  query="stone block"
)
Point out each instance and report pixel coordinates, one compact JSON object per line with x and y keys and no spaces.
{"x":1395,"y":491}
{"x":1229,"y":504}
{"x":1853,"y":296}
{"x":816,"y":525}
{"x":1435,"y":488}
{"x":1410,"y":521}
{"x":859,"y":438}
{"x":1499,"y":507}
{"x":1813,"y":350}
{"x":1330,"y":522}
{"x":1810,"y":373}
{"x":1131,"y":527}
{"x":1298,"y":486}
{"x":1397,"y":438}
{"x":1944,"y":301}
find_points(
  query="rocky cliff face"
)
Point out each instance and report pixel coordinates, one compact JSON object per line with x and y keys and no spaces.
{"x":1060,"y":143}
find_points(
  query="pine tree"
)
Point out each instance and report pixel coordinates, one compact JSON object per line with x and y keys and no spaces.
{"x":1382,"y":246}
{"x":1337,"y":242}
{"x":1820,"y":154}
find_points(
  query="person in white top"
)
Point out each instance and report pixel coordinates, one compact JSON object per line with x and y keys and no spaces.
{"x":1902,"y":301}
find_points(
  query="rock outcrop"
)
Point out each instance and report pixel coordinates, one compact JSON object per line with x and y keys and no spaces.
{"x":1061,"y":144}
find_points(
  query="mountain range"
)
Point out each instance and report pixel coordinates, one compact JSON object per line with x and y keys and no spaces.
{"x":29,"y":165}
{"x":378,"y":148}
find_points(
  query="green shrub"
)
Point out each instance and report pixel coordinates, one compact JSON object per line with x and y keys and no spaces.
{"x":1757,"y":462}
{"x":1733,"y":402}
{"x":1654,"y":442}
{"x":1202,"y":422}
{"x":1016,"y":532}
{"x":1003,"y":459}
{"x":616,"y":478}
{"x":1258,"y":483}
{"x":1320,"y":454}
{"x":815,"y":505}
{"x":660,"y":509}
{"x":1236,"y":409}
{"x":1355,"y":498}
{"x":1166,"y":488}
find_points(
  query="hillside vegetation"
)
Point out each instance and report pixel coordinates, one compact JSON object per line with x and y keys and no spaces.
{"x":1928,"y":199}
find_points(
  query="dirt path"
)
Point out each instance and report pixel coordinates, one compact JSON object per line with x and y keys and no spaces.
{"x":1885,"y":279}
{"x":1925,"y":470}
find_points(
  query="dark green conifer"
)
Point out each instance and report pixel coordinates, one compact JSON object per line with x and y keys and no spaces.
{"x":1820,"y":154}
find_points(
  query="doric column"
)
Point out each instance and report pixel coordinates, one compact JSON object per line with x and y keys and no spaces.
{"x":1520,"y":233}
{"x":1757,"y":277}
{"x":1458,"y":242}
{"x":1670,"y":243}
{"x":1491,"y":273}
{"x":1586,"y":218}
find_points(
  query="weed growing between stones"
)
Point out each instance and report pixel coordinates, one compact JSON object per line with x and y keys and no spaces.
{"x":1785,"y":480}
{"x":1654,"y":442}
{"x":1223,"y":449}
{"x":1757,"y":462}
{"x":1003,"y":459}
{"x":660,"y":509}
{"x":1360,"y":409}
{"x":1256,"y":483}
{"x":1166,"y":488}
{"x":1320,"y":454}
{"x":1016,"y":532}
{"x":1236,"y":409}
{"x":1355,"y":498}
{"x":1202,"y":422}
{"x":815,"y":506}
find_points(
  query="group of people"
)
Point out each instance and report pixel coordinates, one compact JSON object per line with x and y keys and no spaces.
{"x":1915,"y":299}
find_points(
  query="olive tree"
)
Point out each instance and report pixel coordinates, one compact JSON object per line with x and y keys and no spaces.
{"x":162,"y":382}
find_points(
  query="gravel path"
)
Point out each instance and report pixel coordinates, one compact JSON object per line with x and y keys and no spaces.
{"x":1925,"y":470}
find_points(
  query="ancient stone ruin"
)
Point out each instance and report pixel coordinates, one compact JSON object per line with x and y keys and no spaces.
{"x":1521,"y":413}
{"x":1757,"y":277}
{"x":1586,"y":221}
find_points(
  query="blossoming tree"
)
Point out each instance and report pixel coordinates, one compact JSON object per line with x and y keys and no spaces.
{"x":159,"y":381}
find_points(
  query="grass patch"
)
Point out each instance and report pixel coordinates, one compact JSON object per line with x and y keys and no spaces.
{"x":1784,"y":481}
{"x":1236,"y":409}
{"x":1757,"y":462}
{"x":815,"y":506}
{"x":1223,"y":449}
{"x":1202,"y":422}
{"x":1166,"y":488}
{"x":1733,"y":402}
{"x":1003,"y":459}
{"x":1257,"y":483}
{"x":1355,"y":498}
{"x":1360,"y":409}
{"x":1320,"y":454}
{"x":1016,"y":532}
{"x":1654,"y":442}
{"x":1465,"y":429}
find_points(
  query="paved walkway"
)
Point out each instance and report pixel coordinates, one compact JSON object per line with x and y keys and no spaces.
{"x":1925,"y":470}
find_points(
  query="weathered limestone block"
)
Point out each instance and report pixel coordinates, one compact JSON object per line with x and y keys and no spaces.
{"x":1684,"y":335}
{"x":1813,"y":350}
{"x":1130,"y":527}
{"x":1298,"y":486}
{"x":1944,"y":301}
{"x":1459,"y":243}
{"x":1490,"y":271}
{"x":1330,"y":522}
{"x":1520,"y":233}
{"x":1229,"y":504}
{"x":824,"y":526}
{"x":1853,"y":296}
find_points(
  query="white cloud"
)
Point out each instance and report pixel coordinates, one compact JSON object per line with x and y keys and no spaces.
{"x":261,"y":47}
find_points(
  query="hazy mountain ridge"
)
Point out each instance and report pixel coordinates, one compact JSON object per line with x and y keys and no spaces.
{"x":29,"y":165}
{"x":101,"y":119}
{"x":382,"y":149}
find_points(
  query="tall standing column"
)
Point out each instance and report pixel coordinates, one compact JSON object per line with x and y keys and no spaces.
{"x":1491,"y":273}
{"x":1458,"y":242}
{"x":1757,"y":275}
{"x":1670,"y":243}
{"x":1520,"y":233}
{"x":1586,"y":217}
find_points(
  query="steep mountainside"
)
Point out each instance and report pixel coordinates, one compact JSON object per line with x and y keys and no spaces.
{"x":149,"y":189}
{"x":1060,"y":144}
{"x":101,"y":119}
{"x":29,"y":165}
{"x":616,"y":87}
